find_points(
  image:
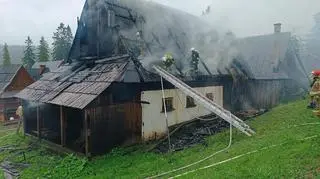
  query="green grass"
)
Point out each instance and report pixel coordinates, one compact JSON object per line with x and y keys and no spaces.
{"x":294,"y":159}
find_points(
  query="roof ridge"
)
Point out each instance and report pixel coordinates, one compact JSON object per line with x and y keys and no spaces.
{"x":263,"y":35}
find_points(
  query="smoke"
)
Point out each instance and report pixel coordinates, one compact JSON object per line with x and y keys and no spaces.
{"x":28,"y":105}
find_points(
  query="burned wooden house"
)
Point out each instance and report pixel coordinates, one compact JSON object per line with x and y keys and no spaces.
{"x":13,"y":79}
{"x":106,"y":94}
{"x":266,"y":69}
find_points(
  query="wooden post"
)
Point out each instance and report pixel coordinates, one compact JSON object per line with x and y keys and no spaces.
{"x":86,"y":133}
{"x":38,"y":121}
{"x":62,"y":127}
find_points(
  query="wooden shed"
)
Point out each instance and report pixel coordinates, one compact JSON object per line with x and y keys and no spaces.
{"x":13,"y":79}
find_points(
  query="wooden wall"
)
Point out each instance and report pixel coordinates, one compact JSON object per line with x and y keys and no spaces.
{"x":113,"y":125}
{"x":265,"y":94}
{"x":253,"y":94}
{"x":20,"y":81}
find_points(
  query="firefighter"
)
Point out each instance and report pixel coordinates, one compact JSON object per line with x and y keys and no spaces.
{"x":195,"y":57}
{"x":314,"y":94}
{"x":167,"y":60}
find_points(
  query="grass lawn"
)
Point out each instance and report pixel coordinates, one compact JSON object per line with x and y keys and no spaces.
{"x":292,"y":159}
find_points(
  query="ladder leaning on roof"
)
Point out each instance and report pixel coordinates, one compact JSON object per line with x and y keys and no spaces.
{"x":209,"y":104}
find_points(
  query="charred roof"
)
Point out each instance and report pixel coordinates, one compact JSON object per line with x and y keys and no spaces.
{"x":108,"y":28}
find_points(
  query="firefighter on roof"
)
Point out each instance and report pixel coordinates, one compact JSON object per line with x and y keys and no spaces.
{"x":195,"y":57}
{"x":167,"y":60}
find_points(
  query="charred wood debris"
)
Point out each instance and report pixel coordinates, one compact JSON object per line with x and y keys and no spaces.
{"x":18,"y":157}
{"x":194,"y":132}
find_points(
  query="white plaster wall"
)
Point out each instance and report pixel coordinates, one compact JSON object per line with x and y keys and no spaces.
{"x":154,"y":124}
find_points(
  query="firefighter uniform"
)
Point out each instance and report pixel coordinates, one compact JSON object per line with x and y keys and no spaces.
{"x":315,"y":90}
{"x":194,"y":59}
{"x":167,"y":60}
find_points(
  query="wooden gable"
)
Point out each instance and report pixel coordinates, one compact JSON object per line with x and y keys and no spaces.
{"x":21,"y":80}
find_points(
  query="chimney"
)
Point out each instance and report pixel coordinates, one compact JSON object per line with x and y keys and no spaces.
{"x":42,"y":68}
{"x":277,"y":28}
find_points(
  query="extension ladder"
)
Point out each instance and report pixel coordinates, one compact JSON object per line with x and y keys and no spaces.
{"x":207,"y":103}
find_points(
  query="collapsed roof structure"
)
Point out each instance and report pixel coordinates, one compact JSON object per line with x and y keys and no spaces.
{"x":138,"y":27}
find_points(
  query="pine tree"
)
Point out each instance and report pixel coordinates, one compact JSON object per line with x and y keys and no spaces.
{"x":29,"y":56}
{"x":43,"y":51}
{"x":62,"y":41}
{"x":6,"y":55}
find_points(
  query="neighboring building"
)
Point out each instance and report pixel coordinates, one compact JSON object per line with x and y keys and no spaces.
{"x":13,"y":79}
{"x":40,"y":68}
{"x":266,"y":70}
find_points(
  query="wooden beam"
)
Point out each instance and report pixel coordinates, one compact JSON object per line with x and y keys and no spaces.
{"x":62,"y":127}
{"x":86,"y":133}
{"x":38,"y":121}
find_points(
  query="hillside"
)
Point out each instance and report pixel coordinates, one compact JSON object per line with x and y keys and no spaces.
{"x":286,"y":145}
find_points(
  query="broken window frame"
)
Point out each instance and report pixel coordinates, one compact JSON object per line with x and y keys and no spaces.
{"x":210,"y":96}
{"x":169,"y":104}
{"x":190,"y":102}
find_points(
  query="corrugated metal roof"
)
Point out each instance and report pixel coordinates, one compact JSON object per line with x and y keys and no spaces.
{"x":76,"y":88}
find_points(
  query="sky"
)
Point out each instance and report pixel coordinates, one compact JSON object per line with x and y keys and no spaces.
{"x":36,"y":18}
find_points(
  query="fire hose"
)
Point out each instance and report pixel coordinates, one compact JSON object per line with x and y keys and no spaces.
{"x":232,"y":158}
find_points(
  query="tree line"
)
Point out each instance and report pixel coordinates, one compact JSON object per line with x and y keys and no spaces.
{"x":62,"y":41}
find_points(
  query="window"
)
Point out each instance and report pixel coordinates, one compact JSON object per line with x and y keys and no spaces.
{"x":169,"y":104}
{"x":190,"y":102}
{"x":209,"y":96}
